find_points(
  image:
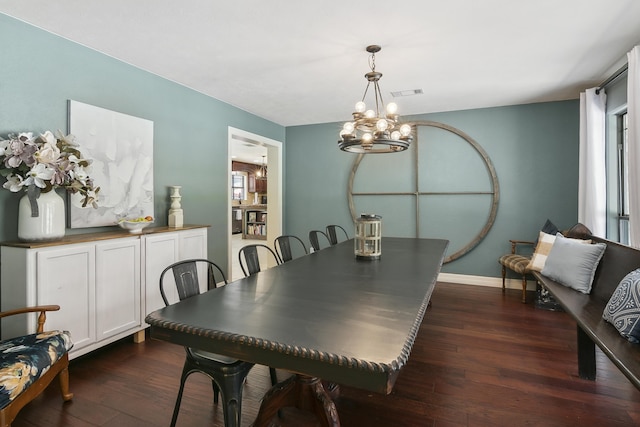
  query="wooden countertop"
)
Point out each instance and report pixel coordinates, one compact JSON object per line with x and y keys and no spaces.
{"x":114,"y":233}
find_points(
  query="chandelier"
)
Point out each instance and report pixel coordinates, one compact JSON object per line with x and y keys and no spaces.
{"x":370,"y":131}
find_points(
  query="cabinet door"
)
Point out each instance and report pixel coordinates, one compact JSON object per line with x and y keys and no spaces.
{"x":66,"y":277}
{"x":252,"y":183}
{"x":160,"y":251}
{"x":193,"y":244}
{"x":261,"y":186}
{"x":117,"y":287}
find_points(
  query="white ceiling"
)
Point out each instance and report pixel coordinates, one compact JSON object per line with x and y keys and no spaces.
{"x":248,"y":152}
{"x":298,"y":63}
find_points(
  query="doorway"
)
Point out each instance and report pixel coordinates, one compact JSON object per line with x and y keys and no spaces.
{"x":250,"y":148}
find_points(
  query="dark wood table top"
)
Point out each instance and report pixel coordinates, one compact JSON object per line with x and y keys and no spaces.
{"x":324,"y":315}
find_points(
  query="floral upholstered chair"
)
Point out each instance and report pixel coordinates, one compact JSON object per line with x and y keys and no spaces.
{"x":29,"y":363}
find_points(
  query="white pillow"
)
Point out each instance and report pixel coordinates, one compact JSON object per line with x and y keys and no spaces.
{"x":572,"y":263}
{"x":545,"y":243}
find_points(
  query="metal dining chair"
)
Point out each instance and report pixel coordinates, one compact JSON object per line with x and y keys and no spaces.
{"x":333,"y":235}
{"x":318,"y":240}
{"x":284,"y":247}
{"x":251,"y":265}
{"x":227,"y":374}
{"x":249,"y":258}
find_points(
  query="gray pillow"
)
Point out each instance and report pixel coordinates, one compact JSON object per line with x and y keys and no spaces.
{"x":549,"y":228}
{"x":623,"y":308}
{"x":573,"y":264}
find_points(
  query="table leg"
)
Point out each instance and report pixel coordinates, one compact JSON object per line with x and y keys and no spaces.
{"x":301,"y":392}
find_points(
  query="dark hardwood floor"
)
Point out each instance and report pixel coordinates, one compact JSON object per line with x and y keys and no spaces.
{"x":481,"y":359}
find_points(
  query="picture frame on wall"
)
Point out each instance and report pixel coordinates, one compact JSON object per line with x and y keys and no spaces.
{"x":121,"y":149}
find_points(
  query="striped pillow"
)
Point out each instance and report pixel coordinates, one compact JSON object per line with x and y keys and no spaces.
{"x":539,"y":258}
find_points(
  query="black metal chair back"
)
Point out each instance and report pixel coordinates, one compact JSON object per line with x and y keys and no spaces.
{"x":249,"y":258}
{"x":284,"y":248}
{"x":318,"y":240}
{"x":333,"y":235}
{"x":187,"y":280}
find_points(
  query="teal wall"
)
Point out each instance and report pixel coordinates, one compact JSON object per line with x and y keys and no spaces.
{"x":534,"y":149}
{"x":40,"y":72}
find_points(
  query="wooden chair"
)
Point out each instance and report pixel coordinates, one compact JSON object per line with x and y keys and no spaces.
{"x":516,"y":263}
{"x":284,"y":249}
{"x":333,"y":235}
{"x":249,"y":259}
{"x":26,"y":372}
{"x":318,"y":240}
{"x":227,"y":374}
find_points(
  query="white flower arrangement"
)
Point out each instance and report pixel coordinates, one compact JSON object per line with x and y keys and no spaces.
{"x":43,"y":163}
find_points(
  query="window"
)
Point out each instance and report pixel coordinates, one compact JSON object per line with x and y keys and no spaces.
{"x":623,"y":178}
{"x":238,"y":186}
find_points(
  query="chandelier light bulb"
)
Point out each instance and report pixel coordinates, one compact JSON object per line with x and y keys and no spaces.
{"x":395,"y":135}
{"x":367,"y":137}
{"x":405,"y":129}
{"x":369,"y":114}
{"x":360,"y":107}
{"x":348,"y":127}
{"x":392,"y":108}
{"x":382,"y":125}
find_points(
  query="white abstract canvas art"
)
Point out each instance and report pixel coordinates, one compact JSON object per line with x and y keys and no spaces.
{"x":121,"y":147}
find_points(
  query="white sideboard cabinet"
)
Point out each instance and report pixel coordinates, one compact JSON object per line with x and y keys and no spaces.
{"x":162,"y":250}
{"x":104,"y":283}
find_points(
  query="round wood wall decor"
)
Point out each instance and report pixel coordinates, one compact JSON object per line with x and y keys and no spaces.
{"x":419,"y":172}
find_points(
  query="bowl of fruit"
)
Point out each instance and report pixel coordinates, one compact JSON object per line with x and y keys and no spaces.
{"x":135,"y":225}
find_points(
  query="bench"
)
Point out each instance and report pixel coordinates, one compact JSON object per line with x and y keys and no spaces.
{"x":617,"y":261}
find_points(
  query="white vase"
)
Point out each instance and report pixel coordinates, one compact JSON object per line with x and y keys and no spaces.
{"x":50,"y":222}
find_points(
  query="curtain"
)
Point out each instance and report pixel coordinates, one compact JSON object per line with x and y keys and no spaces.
{"x":633,"y":139}
{"x":592,"y":191}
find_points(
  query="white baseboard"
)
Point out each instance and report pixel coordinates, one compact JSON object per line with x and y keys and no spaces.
{"x":493,"y":282}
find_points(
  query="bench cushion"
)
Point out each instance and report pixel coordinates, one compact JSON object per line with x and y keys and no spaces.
{"x":25,"y":359}
{"x":623,"y":309}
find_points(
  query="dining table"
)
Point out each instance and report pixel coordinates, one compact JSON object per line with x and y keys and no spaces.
{"x":326,"y":317}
